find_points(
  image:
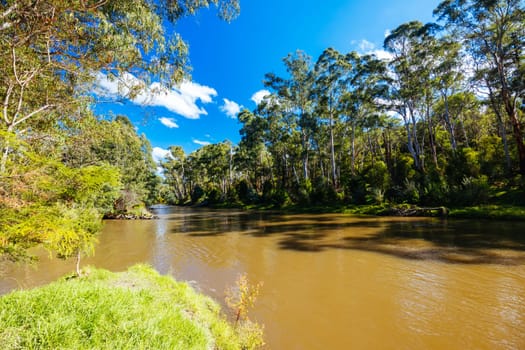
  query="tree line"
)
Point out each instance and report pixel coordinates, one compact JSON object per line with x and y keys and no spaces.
{"x":61,"y":167}
{"x":438,"y":123}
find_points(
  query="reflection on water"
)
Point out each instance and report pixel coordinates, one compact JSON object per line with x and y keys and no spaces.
{"x":333,"y":281}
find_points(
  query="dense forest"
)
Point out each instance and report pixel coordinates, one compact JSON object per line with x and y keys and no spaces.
{"x":438,"y":123}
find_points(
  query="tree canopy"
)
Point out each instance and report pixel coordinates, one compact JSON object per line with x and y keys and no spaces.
{"x":440,"y":122}
{"x":61,"y":168}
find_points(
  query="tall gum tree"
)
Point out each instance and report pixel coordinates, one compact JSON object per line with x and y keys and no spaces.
{"x":493,"y":32}
{"x":295,"y":94}
{"x":331,"y":70}
{"x":406,"y":93}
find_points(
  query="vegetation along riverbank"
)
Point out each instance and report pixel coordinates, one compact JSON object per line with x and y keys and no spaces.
{"x":135,"y":309}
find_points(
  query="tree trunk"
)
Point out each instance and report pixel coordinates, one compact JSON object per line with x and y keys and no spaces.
{"x":353,"y":148}
{"x":306,"y":147}
{"x":510,"y":107}
{"x":4,"y":158}
{"x":501,"y":125}
{"x":78,"y":263}
{"x":432,"y":138}
{"x":332,"y":153}
{"x":412,"y":144}
{"x":518,"y":135}
{"x":448,"y":123}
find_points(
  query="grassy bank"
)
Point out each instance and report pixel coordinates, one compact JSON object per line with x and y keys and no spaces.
{"x":489,"y":211}
{"x":136,"y":309}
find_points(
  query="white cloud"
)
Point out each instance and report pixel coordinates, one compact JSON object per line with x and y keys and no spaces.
{"x":197,"y":91}
{"x":369,"y":48}
{"x":169,"y":122}
{"x":387,"y":32}
{"x":366,"y":46}
{"x":230,"y":108}
{"x":115,"y":87}
{"x":383,"y":55}
{"x":202,"y":143}
{"x":259,"y":96}
{"x":181,"y":100}
{"x":159,"y":154}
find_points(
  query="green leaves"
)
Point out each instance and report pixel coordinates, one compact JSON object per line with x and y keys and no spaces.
{"x":55,"y":181}
{"x":49,"y":203}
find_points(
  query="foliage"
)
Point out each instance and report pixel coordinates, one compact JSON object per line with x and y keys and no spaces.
{"x":46,"y":202}
{"x":413,"y":128}
{"x":136,"y":309}
{"x":55,"y":177}
{"x":240,"y":299}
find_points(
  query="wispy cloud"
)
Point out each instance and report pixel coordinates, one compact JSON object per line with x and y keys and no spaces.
{"x":159,"y":154}
{"x":181,"y":100}
{"x":259,"y":96}
{"x":169,"y":122}
{"x":230,"y":108}
{"x":366,"y":47}
{"x":383,"y":55}
{"x":202,"y":143}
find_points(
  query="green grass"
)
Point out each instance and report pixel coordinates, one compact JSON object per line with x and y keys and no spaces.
{"x":496,"y":212}
{"x":136,"y":309}
{"x":499,"y":211}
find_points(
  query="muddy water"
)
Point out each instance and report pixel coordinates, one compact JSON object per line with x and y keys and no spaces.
{"x":334,"y":281}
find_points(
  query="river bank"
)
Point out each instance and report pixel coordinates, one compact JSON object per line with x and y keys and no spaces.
{"x":488,"y":212}
{"x":136,"y":309}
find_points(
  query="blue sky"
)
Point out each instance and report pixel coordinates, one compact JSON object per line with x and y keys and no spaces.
{"x":230,"y":59}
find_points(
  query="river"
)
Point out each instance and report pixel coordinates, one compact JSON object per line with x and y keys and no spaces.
{"x":333,"y":281}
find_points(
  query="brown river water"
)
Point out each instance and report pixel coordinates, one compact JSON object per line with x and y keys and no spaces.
{"x":333,"y":281}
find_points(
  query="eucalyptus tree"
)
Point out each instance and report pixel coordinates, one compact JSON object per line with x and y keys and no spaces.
{"x":405,"y":90}
{"x":366,"y":90}
{"x":294,"y":100}
{"x":493,"y":33}
{"x":431,"y":77}
{"x":282,"y":138}
{"x":447,"y":78}
{"x":330,"y":73}
{"x":253,"y":156}
{"x":174,"y":168}
{"x":210,"y":169}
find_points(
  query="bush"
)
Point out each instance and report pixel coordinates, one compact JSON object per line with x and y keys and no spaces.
{"x":323,"y":192}
{"x":377,"y":176}
{"x":197,"y":195}
{"x":463,"y":163}
{"x":214,"y":196}
{"x":280,"y":198}
{"x":474,"y":191}
{"x":410,"y":192}
{"x":435,"y":193}
{"x":246,"y":194}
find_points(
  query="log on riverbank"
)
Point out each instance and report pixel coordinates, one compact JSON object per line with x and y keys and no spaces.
{"x":418,"y":211}
{"x":130,"y":216}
